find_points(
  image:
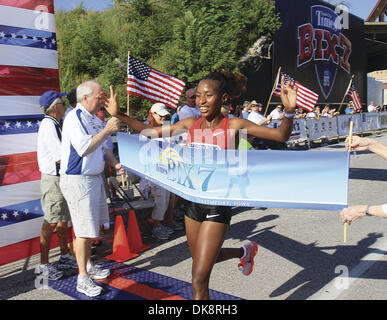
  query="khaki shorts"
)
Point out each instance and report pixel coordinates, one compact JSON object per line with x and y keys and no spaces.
{"x":53,"y":203}
{"x":86,"y":199}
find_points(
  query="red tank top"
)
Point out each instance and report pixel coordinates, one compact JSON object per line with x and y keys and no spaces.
{"x":209,"y":138}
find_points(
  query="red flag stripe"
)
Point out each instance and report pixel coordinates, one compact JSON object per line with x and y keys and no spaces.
{"x":150,"y":97}
{"x":171,"y":80}
{"x":163,"y":87}
{"x":29,"y":4}
{"x":306,"y":97}
{"x":158,"y":95}
{"x":356,"y":101}
{"x":150,"y":85}
{"x":13,"y":81}
{"x":151,"y":91}
{"x":18,"y":168}
{"x":306,"y":91}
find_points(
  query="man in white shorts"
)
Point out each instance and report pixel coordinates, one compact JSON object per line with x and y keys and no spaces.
{"x":56,"y":212}
{"x":83,"y":156}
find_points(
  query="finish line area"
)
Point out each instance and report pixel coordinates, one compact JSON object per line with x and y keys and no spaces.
{"x":131,"y":283}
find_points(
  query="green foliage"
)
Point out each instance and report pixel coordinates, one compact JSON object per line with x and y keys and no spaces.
{"x":185,"y":38}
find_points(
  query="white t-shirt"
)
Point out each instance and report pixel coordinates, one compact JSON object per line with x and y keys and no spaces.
{"x":255,"y":117}
{"x":245,"y":114}
{"x":79,"y":128}
{"x":188,"y":112}
{"x":371,"y":108}
{"x":49,"y":145}
{"x":275,"y":114}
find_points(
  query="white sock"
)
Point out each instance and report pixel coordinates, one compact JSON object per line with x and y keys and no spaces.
{"x":244,"y":252}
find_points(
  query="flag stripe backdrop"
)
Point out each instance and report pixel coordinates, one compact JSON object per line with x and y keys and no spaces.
{"x":29,"y":4}
{"x":21,"y":106}
{"x":28,"y":67}
{"x":39,"y":80}
{"x":306,"y":98}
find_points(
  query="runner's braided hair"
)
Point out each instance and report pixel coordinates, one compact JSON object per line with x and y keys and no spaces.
{"x":234,"y":84}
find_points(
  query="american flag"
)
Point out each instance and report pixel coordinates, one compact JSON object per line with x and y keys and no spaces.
{"x":153,"y":85}
{"x":28,"y":68}
{"x":306,"y":98}
{"x":352,"y":93}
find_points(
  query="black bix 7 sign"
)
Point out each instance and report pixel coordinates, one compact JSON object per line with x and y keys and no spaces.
{"x":321,"y":46}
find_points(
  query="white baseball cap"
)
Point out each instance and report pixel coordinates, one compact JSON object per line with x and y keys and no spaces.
{"x":160,"y":109}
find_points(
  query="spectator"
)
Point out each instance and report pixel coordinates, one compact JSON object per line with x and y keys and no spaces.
{"x":83,"y":155}
{"x":56,"y":212}
{"x":72,"y":98}
{"x":313,"y":114}
{"x":246,"y":109}
{"x":299,"y":113}
{"x":238,"y":111}
{"x":108,"y":171}
{"x":206,"y":226}
{"x":349,"y":109}
{"x":352,"y":213}
{"x":333,"y":113}
{"x":325,"y":111}
{"x":190,"y":110}
{"x":175,"y":116}
{"x":257,"y":117}
{"x":372,"y":108}
{"x":317,"y":110}
{"x":277,"y":113}
{"x":161,"y":196}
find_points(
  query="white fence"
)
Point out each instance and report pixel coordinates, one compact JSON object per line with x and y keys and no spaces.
{"x":309,"y":130}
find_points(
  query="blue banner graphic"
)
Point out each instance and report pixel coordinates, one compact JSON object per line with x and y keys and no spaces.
{"x":245,"y":178}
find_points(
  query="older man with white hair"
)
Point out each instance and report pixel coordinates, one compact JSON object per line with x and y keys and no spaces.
{"x":83,"y":156}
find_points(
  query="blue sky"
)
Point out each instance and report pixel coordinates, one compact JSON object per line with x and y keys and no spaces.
{"x":97,"y":5}
{"x":361,"y":8}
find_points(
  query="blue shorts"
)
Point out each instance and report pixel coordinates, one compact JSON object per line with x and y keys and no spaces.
{"x":203,"y":212}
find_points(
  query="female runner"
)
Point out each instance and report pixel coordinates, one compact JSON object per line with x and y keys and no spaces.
{"x":206,"y":226}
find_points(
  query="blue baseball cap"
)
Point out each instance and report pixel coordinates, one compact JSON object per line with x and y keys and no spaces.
{"x":48,"y":97}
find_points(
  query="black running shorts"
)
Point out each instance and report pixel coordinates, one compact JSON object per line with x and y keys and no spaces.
{"x":203,"y":212}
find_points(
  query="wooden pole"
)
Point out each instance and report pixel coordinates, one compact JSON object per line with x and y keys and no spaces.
{"x":350,"y":141}
{"x":272,"y":90}
{"x":124,"y":177}
{"x":345,"y":94}
{"x":127,"y":96}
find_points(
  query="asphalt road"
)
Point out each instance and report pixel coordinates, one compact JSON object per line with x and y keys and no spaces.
{"x":301,"y":252}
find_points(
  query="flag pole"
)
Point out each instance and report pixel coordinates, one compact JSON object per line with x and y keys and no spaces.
{"x":350,"y":83}
{"x":274,"y":86}
{"x":349,"y":150}
{"x":127,"y":96}
{"x":124,"y":180}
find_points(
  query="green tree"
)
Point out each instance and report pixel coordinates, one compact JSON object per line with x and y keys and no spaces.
{"x":185,"y":38}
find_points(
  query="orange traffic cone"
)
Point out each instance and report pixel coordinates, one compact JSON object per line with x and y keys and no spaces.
{"x":121,"y":251}
{"x":134,"y":236}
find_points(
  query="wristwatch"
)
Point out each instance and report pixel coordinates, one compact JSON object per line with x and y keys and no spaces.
{"x":367,"y":212}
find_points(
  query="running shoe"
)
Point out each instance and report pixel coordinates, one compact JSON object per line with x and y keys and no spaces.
{"x":159,"y":233}
{"x":167,"y":230}
{"x":96,"y":272}
{"x":48,"y":271}
{"x":246,"y":264}
{"x":87,"y":286}
{"x":67,"y":261}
